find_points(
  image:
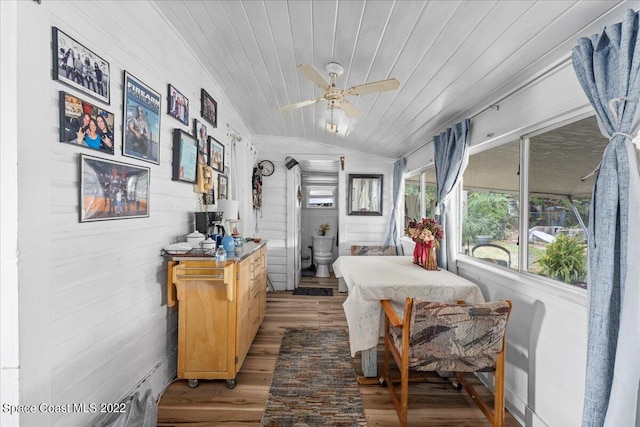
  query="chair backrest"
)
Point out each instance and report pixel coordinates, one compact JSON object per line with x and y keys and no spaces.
{"x":357,"y":250}
{"x":456,"y":337}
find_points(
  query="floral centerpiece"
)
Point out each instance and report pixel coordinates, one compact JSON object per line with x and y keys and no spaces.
{"x":426,"y":233}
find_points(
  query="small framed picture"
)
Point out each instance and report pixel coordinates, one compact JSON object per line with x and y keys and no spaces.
{"x":78,"y":67}
{"x":141,"y":121}
{"x":222,"y":187}
{"x":112,"y":190}
{"x":177,"y":105}
{"x":208,"y":108}
{"x":86,"y":125}
{"x":185,"y":156}
{"x":216,"y":154}
{"x":200,"y":132}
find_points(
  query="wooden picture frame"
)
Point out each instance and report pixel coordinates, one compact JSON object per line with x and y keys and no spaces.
{"x":76,"y":117}
{"x":185,"y":156}
{"x":141,"y":121}
{"x":216,"y":154}
{"x":208,"y":108}
{"x":177,"y":105}
{"x":365,"y":194}
{"x":112,"y":190}
{"x":223,"y":186}
{"x":84,"y":71}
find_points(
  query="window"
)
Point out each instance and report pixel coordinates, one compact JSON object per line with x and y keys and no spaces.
{"x":420,"y":196}
{"x":554,"y":207}
{"x":490,"y":208}
{"x":321,"y":196}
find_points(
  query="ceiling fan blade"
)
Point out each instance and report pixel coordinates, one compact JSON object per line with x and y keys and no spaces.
{"x":381,"y":86}
{"x":315,"y":76}
{"x":349,"y":110}
{"x":300,"y":104}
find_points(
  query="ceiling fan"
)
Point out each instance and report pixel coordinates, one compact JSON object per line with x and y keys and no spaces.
{"x":334,"y":95}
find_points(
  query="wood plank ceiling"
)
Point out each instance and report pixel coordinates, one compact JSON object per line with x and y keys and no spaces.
{"x":452,"y":58}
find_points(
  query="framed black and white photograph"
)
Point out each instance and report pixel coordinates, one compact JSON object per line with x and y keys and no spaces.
{"x":222,"y":187}
{"x":200,"y":132}
{"x":208,"y":108}
{"x":77,"y":66}
{"x":177,"y":105}
{"x":112,"y":190}
{"x":86,"y":125}
{"x":216,"y":154}
{"x":141,"y":121}
{"x":185,"y":156}
{"x":365,"y":194}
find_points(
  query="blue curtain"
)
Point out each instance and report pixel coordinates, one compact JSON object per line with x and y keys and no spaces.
{"x":393,"y":237}
{"x":451,"y":157}
{"x":608,"y":65}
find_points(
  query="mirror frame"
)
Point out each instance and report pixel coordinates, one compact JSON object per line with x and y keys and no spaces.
{"x":356,"y":184}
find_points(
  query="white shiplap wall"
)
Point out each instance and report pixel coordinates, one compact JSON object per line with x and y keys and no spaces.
{"x":352,"y":229}
{"x":94,"y":325}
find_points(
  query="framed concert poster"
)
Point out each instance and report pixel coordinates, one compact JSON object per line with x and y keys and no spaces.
{"x":141,"y":121}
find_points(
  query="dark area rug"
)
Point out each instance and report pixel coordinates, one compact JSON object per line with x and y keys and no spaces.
{"x":317,"y":292}
{"x":314,"y":383}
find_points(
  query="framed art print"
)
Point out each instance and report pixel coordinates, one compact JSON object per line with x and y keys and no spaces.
{"x":112,"y":190}
{"x":200,"y":132}
{"x":222,"y":187}
{"x":141,"y":121}
{"x":185,"y":156}
{"x":216,"y":154}
{"x":208,"y":108}
{"x":78,"y":67}
{"x":177,"y":105}
{"x":84,"y":124}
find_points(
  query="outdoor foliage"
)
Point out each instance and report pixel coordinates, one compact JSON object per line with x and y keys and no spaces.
{"x":487,"y":214}
{"x":565,"y":259}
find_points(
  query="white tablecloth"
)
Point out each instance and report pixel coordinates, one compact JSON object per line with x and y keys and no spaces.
{"x":374,"y":278}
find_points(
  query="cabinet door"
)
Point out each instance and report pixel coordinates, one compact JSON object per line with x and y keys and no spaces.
{"x":244,"y":326}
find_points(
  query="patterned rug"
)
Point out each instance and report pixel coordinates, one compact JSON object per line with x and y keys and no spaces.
{"x":314,"y":383}
{"x":317,"y":292}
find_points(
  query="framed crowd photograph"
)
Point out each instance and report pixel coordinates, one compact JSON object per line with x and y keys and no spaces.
{"x":84,"y":124}
{"x":208,"y":108}
{"x":77,"y":66}
{"x":200,"y":132}
{"x":141,"y":121}
{"x":177,"y":105}
{"x":185,"y":156}
{"x":112,"y":190}
{"x":365,"y":194}
{"x":222,"y":186}
{"x":216,"y":154}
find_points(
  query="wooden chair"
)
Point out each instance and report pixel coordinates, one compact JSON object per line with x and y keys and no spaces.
{"x":433,"y":336}
{"x":357,"y":250}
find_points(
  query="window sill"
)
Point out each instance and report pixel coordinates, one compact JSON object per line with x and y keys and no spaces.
{"x":523,"y":281}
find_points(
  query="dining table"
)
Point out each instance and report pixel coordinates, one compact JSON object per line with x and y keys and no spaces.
{"x":370,"y":279}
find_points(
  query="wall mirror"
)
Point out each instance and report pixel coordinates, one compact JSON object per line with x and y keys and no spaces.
{"x":365,"y":194}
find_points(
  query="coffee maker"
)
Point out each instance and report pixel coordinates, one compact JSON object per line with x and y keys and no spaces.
{"x":206,"y":221}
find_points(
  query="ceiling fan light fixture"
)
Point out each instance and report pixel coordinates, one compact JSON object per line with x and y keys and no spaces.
{"x":334,"y":115}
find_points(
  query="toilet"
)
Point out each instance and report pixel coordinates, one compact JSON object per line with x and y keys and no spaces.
{"x":322,"y":254}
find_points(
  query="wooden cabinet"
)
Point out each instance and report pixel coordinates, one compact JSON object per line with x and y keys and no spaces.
{"x":220,"y":309}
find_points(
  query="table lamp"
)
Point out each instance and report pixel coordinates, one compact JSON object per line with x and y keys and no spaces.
{"x":229,"y":210}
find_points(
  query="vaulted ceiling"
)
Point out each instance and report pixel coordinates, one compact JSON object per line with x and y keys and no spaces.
{"x":452,"y":59}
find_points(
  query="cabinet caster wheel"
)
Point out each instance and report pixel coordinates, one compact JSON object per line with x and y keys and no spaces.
{"x":231,"y":383}
{"x":193,"y":383}
{"x":382,"y":381}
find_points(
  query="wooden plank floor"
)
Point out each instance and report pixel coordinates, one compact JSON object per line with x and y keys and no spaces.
{"x":434,"y":403}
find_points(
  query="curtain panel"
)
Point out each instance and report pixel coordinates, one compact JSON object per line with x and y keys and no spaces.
{"x":608,"y":68}
{"x":451,"y":158}
{"x":393,"y":236}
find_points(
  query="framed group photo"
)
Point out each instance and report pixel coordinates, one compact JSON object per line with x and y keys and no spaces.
{"x":200,"y":132}
{"x":177,"y":105}
{"x":208,"y":108}
{"x":185,"y":156}
{"x":141,"y":122}
{"x":216,"y":154}
{"x":84,"y":124}
{"x":112,"y":190}
{"x":77,"y":66}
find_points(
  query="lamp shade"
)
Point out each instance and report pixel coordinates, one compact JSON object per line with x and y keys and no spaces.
{"x":229,"y":209}
{"x":334,"y":115}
